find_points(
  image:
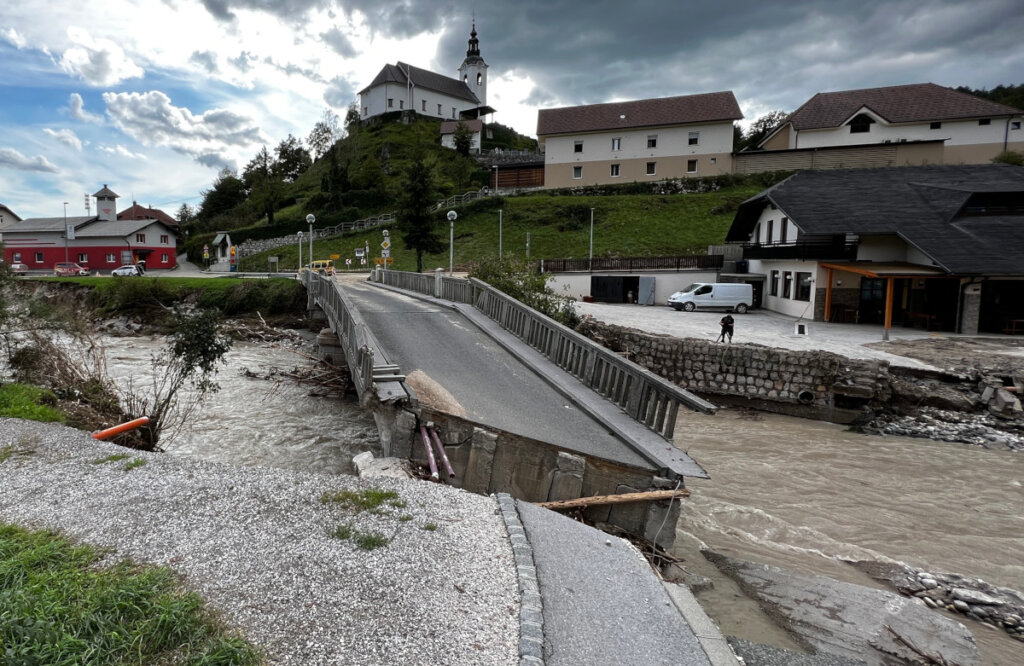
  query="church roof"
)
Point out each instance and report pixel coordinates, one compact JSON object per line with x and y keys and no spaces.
{"x":897,"y":104}
{"x":404,"y":75}
{"x":682,"y":110}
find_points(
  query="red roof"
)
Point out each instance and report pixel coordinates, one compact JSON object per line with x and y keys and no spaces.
{"x":916,"y":102}
{"x":137,"y":212}
{"x":683,"y":110}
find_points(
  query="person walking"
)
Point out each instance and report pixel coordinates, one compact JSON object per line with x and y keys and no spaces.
{"x":727,"y":324}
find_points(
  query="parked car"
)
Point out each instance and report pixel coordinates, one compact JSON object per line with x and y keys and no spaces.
{"x":18,"y":268}
{"x":65,"y":269}
{"x":128,"y":270}
{"x":321,"y":266}
{"x":730,"y":295}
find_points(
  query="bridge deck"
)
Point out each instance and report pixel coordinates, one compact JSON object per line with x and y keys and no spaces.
{"x":489,"y":382}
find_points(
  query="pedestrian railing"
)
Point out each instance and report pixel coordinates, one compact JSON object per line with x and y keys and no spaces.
{"x":646,"y":397}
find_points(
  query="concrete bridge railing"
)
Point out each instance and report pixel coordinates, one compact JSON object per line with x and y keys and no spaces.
{"x":644,"y":396}
{"x":353,"y":334}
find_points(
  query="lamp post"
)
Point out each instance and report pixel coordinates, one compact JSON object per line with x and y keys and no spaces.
{"x":495,"y":178}
{"x":500,"y":254}
{"x":66,"y":260}
{"x":452,"y":216}
{"x":591,"y":240}
{"x":300,"y":253}
{"x":310,"y":219}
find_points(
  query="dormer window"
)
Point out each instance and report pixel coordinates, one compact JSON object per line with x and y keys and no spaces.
{"x":935,"y":125}
{"x":861,"y":124}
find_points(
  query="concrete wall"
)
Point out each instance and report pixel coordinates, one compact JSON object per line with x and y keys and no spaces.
{"x":814,"y":384}
{"x":577,"y":285}
{"x":777,"y":158}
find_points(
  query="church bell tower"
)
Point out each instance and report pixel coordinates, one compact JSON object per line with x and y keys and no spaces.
{"x":473,"y":71}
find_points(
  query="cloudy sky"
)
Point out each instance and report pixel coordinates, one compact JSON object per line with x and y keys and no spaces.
{"x":154,"y":97}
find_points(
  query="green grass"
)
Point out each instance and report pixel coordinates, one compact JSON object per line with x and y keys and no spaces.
{"x":117,"y":457}
{"x":21,"y":401}
{"x":404,"y":518}
{"x":364,"y":500}
{"x":430,"y":527}
{"x":559,"y":226}
{"x":343,"y":531}
{"x":365,"y":540}
{"x":138,"y":462}
{"x":57,"y":607}
{"x":6,"y":452}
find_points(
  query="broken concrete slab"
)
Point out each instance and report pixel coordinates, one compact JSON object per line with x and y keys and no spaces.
{"x":850,"y":620}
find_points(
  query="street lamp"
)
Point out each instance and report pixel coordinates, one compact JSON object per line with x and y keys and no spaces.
{"x":66,"y":260}
{"x":300,"y":253}
{"x":499,"y":235}
{"x":452,"y":215}
{"x":495,"y":178}
{"x":310,"y":219}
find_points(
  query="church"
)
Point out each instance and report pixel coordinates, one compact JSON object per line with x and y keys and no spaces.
{"x":405,"y":88}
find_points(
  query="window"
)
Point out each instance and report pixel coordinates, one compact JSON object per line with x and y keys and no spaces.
{"x":691,"y":166}
{"x":163,"y":239}
{"x":769,"y":234}
{"x":757,"y":233}
{"x":783,"y":229}
{"x":615,"y":171}
{"x":39,"y":257}
{"x":366,"y":110}
{"x":83,"y":258}
{"x":16,"y":258}
{"x":773,"y":286}
{"x":163,"y":258}
{"x":985,"y":121}
{"x":577,"y":147}
{"x":694,"y":138}
{"x":577,"y":172}
{"x":401,"y":103}
{"x":110,"y":258}
{"x":617,"y":143}
{"x":861,"y":123}
{"x":652,"y":140}
{"x":652,"y":168}
{"x":439,"y":111}
{"x":423,"y":105}
{"x":787,"y":285}
{"x":714,"y":160}
{"x":935,"y":125}
{"x":391,"y":102}
{"x":453,"y":112}
{"x":140,"y":238}
{"x":1015,"y":125}
{"x":479,"y":79}
{"x":803,"y":286}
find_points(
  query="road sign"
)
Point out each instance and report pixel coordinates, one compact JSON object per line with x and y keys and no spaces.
{"x":335,"y":256}
{"x":348,"y":262}
{"x":386,"y":244}
{"x":363,"y":261}
{"x":385,"y":253}
{"x":381,"y":260}
{"x":359,"y":252}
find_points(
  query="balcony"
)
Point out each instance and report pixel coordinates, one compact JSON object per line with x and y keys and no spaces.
{"x":828,"y":249}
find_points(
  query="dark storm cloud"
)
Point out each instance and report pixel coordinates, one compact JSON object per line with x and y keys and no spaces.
{"x":339,"y":93}
{"x":337,"y":40}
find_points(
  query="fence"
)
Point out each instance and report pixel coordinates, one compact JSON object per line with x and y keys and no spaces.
{"x":644,"y":396}
{"x":355,"y":338}
{"x":681,"y":263}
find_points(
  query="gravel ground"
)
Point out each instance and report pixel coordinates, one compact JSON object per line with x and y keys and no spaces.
{"x":253,"y":542}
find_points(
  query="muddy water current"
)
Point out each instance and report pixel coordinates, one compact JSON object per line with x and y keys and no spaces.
{"x":811,"y":496}
{"x":254,"y":420}
{"x":800,"y":494}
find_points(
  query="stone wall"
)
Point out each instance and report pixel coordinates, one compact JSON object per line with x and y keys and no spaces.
{"x":808,"y":383}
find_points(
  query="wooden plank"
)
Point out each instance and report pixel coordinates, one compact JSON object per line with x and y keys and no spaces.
{"x":623,"y":498}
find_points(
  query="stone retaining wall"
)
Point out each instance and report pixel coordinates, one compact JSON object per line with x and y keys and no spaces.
{"x":809,"y":383}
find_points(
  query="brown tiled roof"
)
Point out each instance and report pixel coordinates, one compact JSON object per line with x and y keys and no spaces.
{"x":686,"y":109}
{"x":137,"y":212}
{"x":402,"y":74}
{"x":448,"y":126}
{"x":897,"y":104}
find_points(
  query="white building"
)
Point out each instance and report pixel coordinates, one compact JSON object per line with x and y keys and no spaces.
{"x":402,"y":87}
{"x":641,"y":140}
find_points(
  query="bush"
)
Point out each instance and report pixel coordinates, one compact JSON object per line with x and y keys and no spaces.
{"x":523,"y":282}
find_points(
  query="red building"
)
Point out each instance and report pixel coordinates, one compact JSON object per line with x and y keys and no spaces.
{"x":101,"y":242}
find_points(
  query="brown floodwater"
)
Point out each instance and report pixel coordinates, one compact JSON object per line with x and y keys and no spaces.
{"x":812,"y":496}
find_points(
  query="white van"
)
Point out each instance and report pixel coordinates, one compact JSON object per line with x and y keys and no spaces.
{"x":729,"y":295}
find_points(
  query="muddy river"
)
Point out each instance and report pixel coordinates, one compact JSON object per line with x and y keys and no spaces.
{"x":801,"y":494}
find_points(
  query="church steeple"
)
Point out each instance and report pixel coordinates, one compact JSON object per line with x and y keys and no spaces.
{"x":474,"y":70}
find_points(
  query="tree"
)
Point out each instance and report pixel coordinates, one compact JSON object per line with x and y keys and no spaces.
{"x":227,"y":192}
{"x":1009,"y":157}
{"x":352,"y":120}
{"x":186,"y":214}
{"x":325,"y":132}
{"x":263,"y":183}
{"x":761,"y":128}
{"x":463,"y":138}
{"x":416,"y":221}
{"x":292,"y":159}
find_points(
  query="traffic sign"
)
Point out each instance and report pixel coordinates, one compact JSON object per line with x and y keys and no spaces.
{"x":381,"y":260}
{"x":363,"y":261}
{"x":348,"y":262}
{"x":335,"y":256}
{"x":385,"y":253}
{"x":385,"y":244}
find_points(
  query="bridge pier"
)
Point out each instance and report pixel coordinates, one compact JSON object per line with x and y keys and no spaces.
{"x":329,"y":348}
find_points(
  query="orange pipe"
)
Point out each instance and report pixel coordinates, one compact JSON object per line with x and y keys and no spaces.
{"x":118,"y":429}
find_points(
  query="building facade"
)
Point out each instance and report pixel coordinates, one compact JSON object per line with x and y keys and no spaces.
{"x":644,"y":140}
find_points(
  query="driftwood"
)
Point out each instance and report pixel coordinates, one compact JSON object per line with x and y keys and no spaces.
{"x":623,"y":498}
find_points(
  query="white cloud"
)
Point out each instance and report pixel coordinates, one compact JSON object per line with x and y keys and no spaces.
{"x":13,"y":159}
{"x":14,"y":37}
{"x":77,"y":108}
{"x":99,"y":62}
{"x":65,"y":136}
{"x":121,"y":151}
{"x":151,"y":119}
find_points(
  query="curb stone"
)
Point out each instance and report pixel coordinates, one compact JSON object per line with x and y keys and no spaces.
{"x":531,"y":609}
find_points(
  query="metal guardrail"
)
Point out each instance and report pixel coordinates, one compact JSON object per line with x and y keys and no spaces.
{"x":680,"y":263}
{"x":348,"y":326}
{"x":646,"y":397}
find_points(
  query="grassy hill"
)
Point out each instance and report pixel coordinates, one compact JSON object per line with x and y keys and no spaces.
{"x":559,"y":226}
